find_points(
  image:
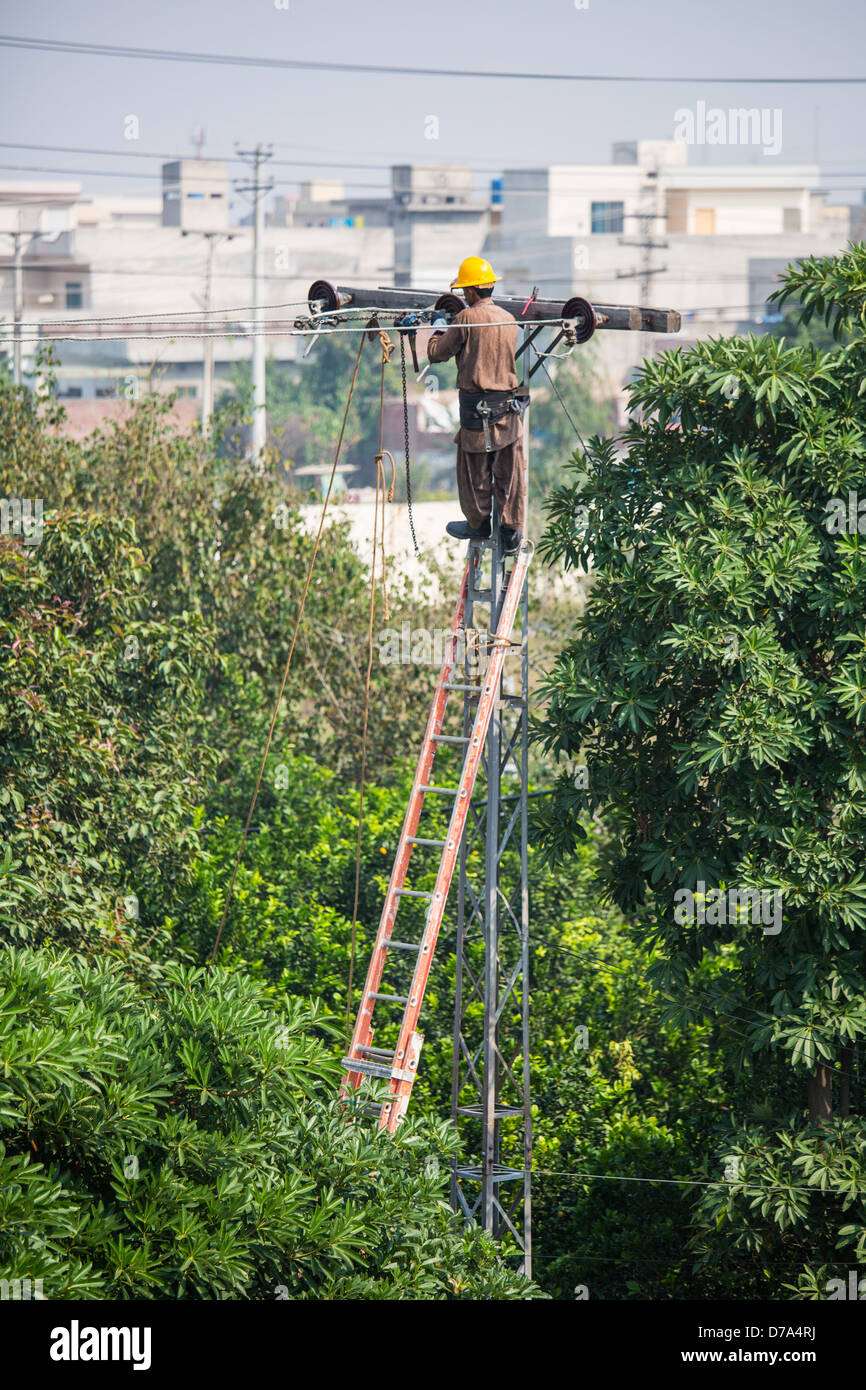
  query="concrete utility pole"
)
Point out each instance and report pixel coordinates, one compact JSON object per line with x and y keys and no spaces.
{"x":648,"y":219}
{"x":207,"y":375}
{"x":23,"y":238}
{"x":209,"y":339}
{"x":18,"y":238}
{"x":257,"y":189}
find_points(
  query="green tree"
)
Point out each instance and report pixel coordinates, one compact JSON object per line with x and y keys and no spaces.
{"x":306,"y":402}
{"x":568,"y":388}
{"x":716,"y":694}
{"x":230,"y":545}
{"x":102,"y":759}
{"x":180,"y":1138}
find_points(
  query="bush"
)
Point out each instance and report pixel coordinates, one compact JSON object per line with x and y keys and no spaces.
{"x":181,"y":1139}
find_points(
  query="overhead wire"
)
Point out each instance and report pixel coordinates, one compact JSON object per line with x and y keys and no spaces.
{"x":540,"y":358}
{"x":88,"y":49}
{"x":480,"y":192}
{"x":388,"y":162}
{"x":235,"y":332}
{"x":162,"y":313}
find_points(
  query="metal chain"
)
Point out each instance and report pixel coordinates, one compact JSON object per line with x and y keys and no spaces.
{"x":406,"y":443}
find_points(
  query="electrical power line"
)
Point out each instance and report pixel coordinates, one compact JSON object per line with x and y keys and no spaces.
{"x":242,"y":332}
{"x":159,"y":313}
{"x":384,"y":166}
{"x":167,"y":55}
{"x":844,"y":185}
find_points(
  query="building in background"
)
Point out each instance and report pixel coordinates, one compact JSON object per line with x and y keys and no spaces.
{"x":134,"y":267}
{"x":436,"y":215}
{"x":650,"y":228}
{"x":195,"y":195}
{"x":709,"y":240}
{"x":438,"y":219}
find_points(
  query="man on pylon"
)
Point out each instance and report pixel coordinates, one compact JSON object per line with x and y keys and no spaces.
{"x":490,"y":463}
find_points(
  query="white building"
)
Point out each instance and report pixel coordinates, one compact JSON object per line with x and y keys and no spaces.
{"x":136,"y":286}
{"x":435,"y":211}
{"x":650,"y":228}
{"x":706,"y":239}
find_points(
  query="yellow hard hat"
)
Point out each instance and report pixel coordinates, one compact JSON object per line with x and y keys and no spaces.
{"x":474,"y":271}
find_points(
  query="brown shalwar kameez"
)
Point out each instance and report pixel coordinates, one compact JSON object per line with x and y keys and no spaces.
{"x":485,"y":362}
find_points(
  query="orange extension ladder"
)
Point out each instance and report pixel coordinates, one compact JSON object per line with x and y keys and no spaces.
{"x":399,"y":1064}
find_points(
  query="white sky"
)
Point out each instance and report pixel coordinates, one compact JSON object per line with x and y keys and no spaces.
{"x":55,"y":99}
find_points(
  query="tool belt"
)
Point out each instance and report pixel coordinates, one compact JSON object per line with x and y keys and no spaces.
{"x":481,"y":408}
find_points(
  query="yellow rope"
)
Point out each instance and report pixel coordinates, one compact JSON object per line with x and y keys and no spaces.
{"x":381,"y":491}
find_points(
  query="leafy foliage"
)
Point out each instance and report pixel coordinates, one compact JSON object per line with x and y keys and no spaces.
{"x":181,"y":1139}
{"x":715,"y":692}
{"x":100,"y":702}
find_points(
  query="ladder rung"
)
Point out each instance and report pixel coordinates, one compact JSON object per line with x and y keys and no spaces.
{"x":450,"y":738}
{"x":411,"y":893}
{"x":358,"y":1064}
{"x":377,"y":1051}
{"x":443,"y":791}
{"x":404,"y":945}
{"x":475,"y":689}
{"x":394,"y":998}
{"x":419,"y":840}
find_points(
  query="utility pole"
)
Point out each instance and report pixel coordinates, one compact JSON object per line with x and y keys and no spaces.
{"x":207,"y":375}
{"x":207,"y":342}
{"x":647,"y":218}
{"x":490,"y":1084}
{"x":31,"y":234}
{"x":18,"y":238}
{"x":207,"y":385}
{"x":257,"y":188}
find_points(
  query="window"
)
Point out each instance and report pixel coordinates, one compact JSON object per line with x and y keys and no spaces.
{"x":74,"y":294}
{"x":791,"y":220}
{"x":606,"y":217}
{"x":705,"y":221}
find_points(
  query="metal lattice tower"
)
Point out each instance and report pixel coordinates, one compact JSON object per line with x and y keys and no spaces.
{"x":490,"y":1102}
{"x":490,"y":1094}
{"x":490,"y":1080}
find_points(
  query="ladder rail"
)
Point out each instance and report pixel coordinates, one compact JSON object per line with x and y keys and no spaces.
{"x":363,"y":1029}
{"x":394,"y":1109}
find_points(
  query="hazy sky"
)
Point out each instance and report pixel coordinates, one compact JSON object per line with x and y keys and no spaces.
{"x":60,"y":99}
